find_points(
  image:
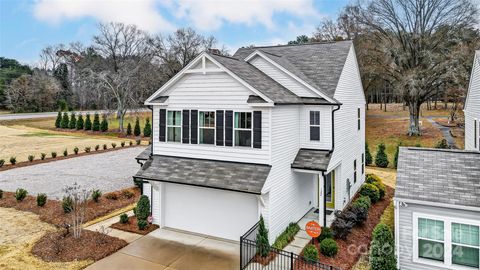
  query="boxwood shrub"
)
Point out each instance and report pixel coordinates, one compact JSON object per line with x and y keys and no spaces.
{"x":310,"y":253}
{"x":41,"y":199}
{"x":326,"y":233}
{"x":20,"y":194}
{"x":142,"y":224}
{"x":53,"y":154}
{"x":13,"y":160}
{"x":43,"y":156}
{"x":363,"y":201}
{"x":31,"y":158}
{"x":371,"y":191}
{"x":329,"y":247}
{"x":123,"y":218}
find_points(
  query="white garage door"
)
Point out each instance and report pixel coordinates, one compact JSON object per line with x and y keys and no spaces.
{"x":214,"y":212}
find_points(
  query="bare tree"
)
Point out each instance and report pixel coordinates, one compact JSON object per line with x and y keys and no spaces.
{"x":328,"y":30}
{"x":79,"y":198}
{"x":49,"y":60}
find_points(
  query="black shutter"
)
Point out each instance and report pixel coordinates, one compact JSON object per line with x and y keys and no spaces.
{"x":193,"y":126}
{"x":257,"y":129}
{"x":228,"y":128}
{"x":219,"y":127}
{"x":185,"y":126}
{"x":163,"y":126}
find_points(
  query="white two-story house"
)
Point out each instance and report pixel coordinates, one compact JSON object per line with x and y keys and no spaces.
{"x":472,"y":108}
{"x":275,"y":131}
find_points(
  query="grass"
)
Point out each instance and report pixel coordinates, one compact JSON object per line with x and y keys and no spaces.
{"x":389,"y":176}
{"x":396,"y":109}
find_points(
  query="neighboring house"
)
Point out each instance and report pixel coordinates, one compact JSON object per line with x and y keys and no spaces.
{"x":262,"y":132}
{"x":472,"y":108}
{"x":437,"y":209}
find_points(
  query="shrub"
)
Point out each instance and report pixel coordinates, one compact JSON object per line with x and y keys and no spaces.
{"x":88,"y":149}
{"x":382,"y":252}
{"x":96,"y":122}
{"x":142,"y":224}
{"x":341,"y":226}
{"x":112,"y":196}
{"x":96,"y":194}
{"x":80,"y":123}
{"x":328,"y":247}
{"x":381,"y":189}
{"x":67,"y":204}
{"x":58,"y":121}
{"x":114,"y":145}
{"x":20,"y":194}
{"x":143,"y":208}
{"x":43,"y":156}
{"x":130,"y":143}
{"x":371,"y":178}
{"x":97,"y":147}
{"x":381,"y":159}
{"x":136,"y":130}
{"x":31,"y":158}
{"x":65,"y":152}
{"x":1,"y":193}
{"x":123,"y":218}
{"x":395,"y":157}
{"x":2,"y":162}
{"x":310,"y":253}
{"x":368,"y":156}
{"x":363,"y":201}
{"x":53,"y":154}
{"x":41,"y":199}
{"x":147,"y":130}
{"x":127,"y":194}
{"x":326,"y":233}
{"x":13,"y":160}
{"x":73,"y":121}
{"x":286,"y":236}
{"x":75,"y":150}
{"x":104,"y":146}
{"x":360,"y":214}
{"x":88,"y":122}
{"x":138,"y":141}
{"x":263,"y":247}
{"x":129,"y":129}
{"x":442,"y":144}
{"x":371,"y":191}
{"x":122,"y":144}
{"x":65,"y":120}
{"x":104,"y":124}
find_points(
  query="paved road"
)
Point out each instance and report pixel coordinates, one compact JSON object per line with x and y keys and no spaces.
{"x":107,"y":171}
{"x":18,"y":116}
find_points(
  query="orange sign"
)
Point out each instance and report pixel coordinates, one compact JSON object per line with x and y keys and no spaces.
{"x":313,"y":229}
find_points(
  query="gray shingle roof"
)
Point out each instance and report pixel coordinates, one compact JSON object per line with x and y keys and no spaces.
{"x":318,"y":64}
{"x":437,"y":175}
{"x":145,"y":154}
{"x":243,"y":177}
{"x":312,"y":159}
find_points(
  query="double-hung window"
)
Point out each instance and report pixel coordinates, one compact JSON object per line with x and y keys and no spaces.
{"x":355,"y":171}
{"x":465,"y":245}
{"x":243,"y":129}
{"x":363,"y":163}
{"x":359,"y":122}
{"x":174,"y":126}
{"x":431,"y":243}
{"x":314,"y":125}
{"x":206,"y":128}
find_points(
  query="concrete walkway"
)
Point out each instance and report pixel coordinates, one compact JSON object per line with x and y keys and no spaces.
{"x":445,"y":131}
{"x":104,"y":226}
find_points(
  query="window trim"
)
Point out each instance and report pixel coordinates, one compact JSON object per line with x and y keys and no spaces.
{"x":355,"y":167}
{"x":363,"y":163}
{"x":314,"y":125}
{"x":179,"y":126}
{"x":214,"y":127}
{"x":359,"y":118}
{"x":235,"y":129}
{"x":447,"y":240}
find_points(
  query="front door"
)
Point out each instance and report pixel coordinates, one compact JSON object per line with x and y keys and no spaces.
{"x":330,"y":189}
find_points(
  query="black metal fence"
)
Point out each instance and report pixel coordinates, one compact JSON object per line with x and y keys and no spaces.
{"x":277,"y":259}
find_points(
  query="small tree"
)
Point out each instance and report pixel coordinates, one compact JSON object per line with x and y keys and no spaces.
{"x":382,"y":253}
{"x":395,"y":158}
{"x":136,"y":130}
{"x":381,"y":159}
{"x":143,"y":208}
{"x":104,"y":124}
{"x":129,"y":129}
{"x":65,"y":120}
{"x":79,"y":199}
{"x":80,"y":122}
{"x":73,"y":121}
{"x":368,"y":156}
{"x":263,"y":247}
{"x":147,"y":130}
{"x":96,"y":122}
{"x":88,"y":122}
{"x":442,"y":144}
{"x":58,"y":121}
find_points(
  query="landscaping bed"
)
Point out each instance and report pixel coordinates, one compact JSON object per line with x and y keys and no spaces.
{"x":131,"y":226}
{"x":61,"y":246}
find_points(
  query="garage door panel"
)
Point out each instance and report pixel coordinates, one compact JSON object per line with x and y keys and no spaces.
{"x":219,"y":213}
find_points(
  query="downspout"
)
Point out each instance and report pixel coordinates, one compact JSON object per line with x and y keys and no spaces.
{"x":151,"y":133}
{"x":333,"y":128}
{"x":324,"y":199}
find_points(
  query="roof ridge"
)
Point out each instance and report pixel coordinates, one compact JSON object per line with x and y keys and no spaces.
{"x":441,"y":150}
{"x":301,"y":44}
{"x":225,"y":56}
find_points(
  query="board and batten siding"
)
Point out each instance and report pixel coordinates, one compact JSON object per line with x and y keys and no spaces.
{"x":472,"y":111}
{"x":405,"y":231}
{"x":211,"y":91}
{"x":349,"y":141}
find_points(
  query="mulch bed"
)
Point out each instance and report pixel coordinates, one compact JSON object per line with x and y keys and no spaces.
{"x":357,"y":242}
{"x":131,"y":226}
{"x":61,"y":246}
{"x":53,"y":213}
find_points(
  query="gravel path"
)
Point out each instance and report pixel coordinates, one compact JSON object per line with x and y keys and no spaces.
{"x":107,"y":171}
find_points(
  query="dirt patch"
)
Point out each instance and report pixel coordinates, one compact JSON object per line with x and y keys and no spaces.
{"x":53,"y":212}
{"x":358,"y":241}
{"x":62,"y":247}
{"x":131,"y":226}
{"x":388,"y":176}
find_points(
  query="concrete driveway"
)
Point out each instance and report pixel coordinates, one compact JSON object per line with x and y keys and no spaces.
{"x":172,"y":250}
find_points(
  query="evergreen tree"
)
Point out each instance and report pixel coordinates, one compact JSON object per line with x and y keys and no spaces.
{"x":58,"y":121}
{"x":88,"y":122}
{"x":368,"y":156}
{"x":382,"y":254}
{"x":96,"y":122}
{"x":381,"y":159}
{"x":80,"y":122}
{"x":129,"y":129}
{"x":73,"y":121}
{"x":65,"y":120}
{"x":395,"y":158}
{"x":147,"y":130}
{"x":263,"y":247}
{"x":136,"y":130}
{"x":104,"y":124}
{"x":443,"y":144}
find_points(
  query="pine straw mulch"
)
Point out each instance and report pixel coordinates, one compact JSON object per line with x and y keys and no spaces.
{"x":131,"y":226}
{"x":53,"y":213}
{"x":61,"y":246}
{"x":357,"y":242}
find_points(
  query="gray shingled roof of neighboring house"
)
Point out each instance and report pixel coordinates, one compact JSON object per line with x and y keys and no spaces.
{"x":438,"y":175}
{"x":312,"y":159}
{"x":243,"y":177}
{"x":145,"y":154}
{"x":318,"y":64}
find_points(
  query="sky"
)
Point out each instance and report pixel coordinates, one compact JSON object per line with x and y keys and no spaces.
{"x":27,"y":26}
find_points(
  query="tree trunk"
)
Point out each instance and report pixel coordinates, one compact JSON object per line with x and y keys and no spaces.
{"x":414,"y":123}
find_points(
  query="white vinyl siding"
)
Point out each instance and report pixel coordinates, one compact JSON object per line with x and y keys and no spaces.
{"x":472,"y":108}
{"x":325,"y":127}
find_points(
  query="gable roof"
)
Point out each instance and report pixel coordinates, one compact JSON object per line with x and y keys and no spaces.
{"x":476,"y":62}
{"x":450,"y":177}
{"x":318,"y":64}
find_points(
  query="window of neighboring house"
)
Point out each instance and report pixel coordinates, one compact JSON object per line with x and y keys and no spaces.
{"x":314,"y":125}
{"x":174,"y":126}
{"x":206,"y":126}
{"x":355,"y":171}
{"x":243,"y":129}
{"x":465,"y":245}
{"x":363,"y":163}
{"x":359,"y":122}
{"x":431,"y":239}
